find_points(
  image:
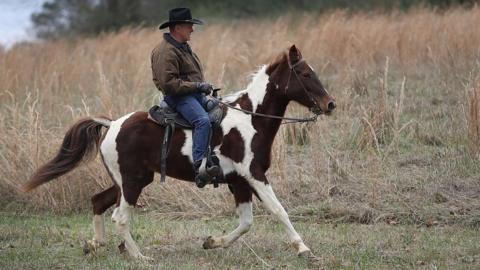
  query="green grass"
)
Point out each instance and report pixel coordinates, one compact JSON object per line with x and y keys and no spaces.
{"x":45,"y":241}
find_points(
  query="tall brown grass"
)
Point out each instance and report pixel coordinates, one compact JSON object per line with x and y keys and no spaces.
{"x":391,"y":145}
{"x":473,"y":115}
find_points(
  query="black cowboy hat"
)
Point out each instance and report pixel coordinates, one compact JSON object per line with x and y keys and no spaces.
{"x":179,"y":15}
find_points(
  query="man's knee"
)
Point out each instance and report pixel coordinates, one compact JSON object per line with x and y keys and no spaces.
{"x":202,"y":121}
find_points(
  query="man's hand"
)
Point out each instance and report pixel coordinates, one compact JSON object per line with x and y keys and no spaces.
{"x":205,"y":88}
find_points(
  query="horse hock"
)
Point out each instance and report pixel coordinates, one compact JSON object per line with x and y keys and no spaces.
{"x":121,"y":216}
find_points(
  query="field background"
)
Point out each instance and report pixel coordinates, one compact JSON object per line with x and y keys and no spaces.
{"x":400,"y":153}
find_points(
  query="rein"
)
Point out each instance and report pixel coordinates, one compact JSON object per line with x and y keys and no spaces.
{"x":290,"y":120}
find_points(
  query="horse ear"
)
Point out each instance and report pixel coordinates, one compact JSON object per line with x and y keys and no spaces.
{"x":276,"y":62}
{"x":294,"y":54}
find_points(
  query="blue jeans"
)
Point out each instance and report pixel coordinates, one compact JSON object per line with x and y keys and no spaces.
{"x":191,"y":108}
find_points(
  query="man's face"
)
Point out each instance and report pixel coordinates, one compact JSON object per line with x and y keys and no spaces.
{"x":184,"y":30}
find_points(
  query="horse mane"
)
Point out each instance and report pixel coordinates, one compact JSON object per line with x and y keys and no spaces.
{"x":282,"y":57}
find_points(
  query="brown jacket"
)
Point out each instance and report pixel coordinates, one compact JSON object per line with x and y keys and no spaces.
{"x":175,"y":68}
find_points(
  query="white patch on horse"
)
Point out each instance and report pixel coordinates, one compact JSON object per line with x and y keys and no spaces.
{"x":257,"y":88}
{"x":243,"y":123}
{"x":186,"y":149}
{"x":108,"y":149}
{"x":225,"y":163}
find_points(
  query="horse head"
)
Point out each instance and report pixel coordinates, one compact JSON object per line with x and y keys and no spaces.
{"x":299,"y":82}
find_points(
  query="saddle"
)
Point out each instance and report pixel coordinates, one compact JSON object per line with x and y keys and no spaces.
{"x":163,"y":114}
{"x":167,"y":117}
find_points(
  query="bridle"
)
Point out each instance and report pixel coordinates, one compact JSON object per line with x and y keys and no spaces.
{"x":316,"y":108}
{"x":289,"y":120}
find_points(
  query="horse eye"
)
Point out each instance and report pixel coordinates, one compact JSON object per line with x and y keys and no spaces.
{"x":307,"y":75}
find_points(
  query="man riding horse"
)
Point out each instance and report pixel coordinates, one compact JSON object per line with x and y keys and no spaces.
{"x":178,"y":73}
{"x":243,"y":141}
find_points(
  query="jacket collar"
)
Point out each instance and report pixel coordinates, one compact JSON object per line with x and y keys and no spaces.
{"x":175,"y":43}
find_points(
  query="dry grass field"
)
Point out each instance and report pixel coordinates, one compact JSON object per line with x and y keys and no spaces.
{"x":401,"y":149}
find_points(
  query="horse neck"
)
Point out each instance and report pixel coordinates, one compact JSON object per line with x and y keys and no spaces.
{"x":266,"y":98}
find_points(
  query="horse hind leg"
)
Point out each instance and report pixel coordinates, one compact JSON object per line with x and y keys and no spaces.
{"x":130,"y":191}
{"x":101,"y":202}
{"x":121,"y":217}
{"x":243,"y":200}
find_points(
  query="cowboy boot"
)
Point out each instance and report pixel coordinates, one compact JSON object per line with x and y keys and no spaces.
{"x":201,"y":177}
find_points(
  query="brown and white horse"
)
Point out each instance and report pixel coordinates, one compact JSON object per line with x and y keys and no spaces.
{"x":130,"y":150}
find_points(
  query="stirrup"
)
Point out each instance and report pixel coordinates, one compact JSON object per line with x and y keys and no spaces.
{"x":215,"y":173}
{"x":211,"y":173}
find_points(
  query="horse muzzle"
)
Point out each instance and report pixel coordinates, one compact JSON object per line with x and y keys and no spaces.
{"x":331,"y":105}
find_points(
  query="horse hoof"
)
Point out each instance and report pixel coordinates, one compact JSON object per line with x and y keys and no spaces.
{"x":87,"y":247}
{"x":301,"y":248}
{"x":211,"y":243}
{"x":208,"y":244}
{"x":91,"y":246}
{"x":122,"y":248}
{"x":306,"y":254}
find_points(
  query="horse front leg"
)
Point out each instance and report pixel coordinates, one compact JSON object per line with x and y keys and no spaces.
{"x":243,"y":201}
{"x":270,"y":201}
